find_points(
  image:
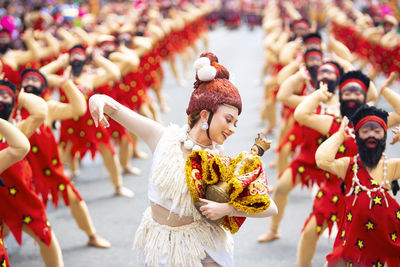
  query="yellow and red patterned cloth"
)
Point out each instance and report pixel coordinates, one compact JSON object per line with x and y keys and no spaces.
{"x":247,"y":183}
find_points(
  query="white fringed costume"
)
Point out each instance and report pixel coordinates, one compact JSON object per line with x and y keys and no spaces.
{"x":187,"y":245}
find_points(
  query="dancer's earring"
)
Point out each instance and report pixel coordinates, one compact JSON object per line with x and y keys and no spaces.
{"x":204,"y":126}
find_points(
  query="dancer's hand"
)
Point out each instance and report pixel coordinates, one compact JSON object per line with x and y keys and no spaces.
{"x":396,"y":138}
{"x":304,"y":73}
{"x":214,"y":210}
{"x":323,"y":93}
{"x":63,"y":59}
{"x":97,"y":104}
{"x":344,"y":129}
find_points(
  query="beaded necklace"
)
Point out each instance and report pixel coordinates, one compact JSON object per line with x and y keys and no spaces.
{"x":359,"y":186}
{"x":191,"y":145}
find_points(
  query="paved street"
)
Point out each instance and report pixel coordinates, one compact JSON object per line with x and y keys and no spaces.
{"x":117,"y":218}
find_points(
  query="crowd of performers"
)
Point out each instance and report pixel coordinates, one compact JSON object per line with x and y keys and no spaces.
{"x":233,"y":13}
{"x":321,"y":65}
{"x":53,"y":60}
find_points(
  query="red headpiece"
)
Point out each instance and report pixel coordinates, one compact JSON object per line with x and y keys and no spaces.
{"x":371,"y":118}
{"x":354,"y":81}
{"x":8,"y":90}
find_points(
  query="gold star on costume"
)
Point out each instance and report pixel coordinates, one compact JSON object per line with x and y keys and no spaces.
{"x":393,"y":236}
{"x":398,"y":214}
{"x":301,"y":169}
{"x":349,"y":264}
{"x":12,"y":191}
{"x":292,"y":137}
{"x":335,"y":199}
{"x":377,"y":200}
{"x":349,"y":216}
{"x":379,"y":264}
{"x":61,"y":187}
{"x":333,"y":218}
{"x":3,"y":264}
{"x":27,"y":219}
{"x":342,"y":149}
{"x":344,"y":243}
{"x":319,"y":228}
{"x":373,"y":182}
{"x":360,"y":243}
{"x":370,"y":225}
{"x":1,"y":242}
{"x":320,"y":194}
{"x":343,"y":233}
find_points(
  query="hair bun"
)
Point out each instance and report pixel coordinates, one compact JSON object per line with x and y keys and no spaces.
{"x":212,"y":87}
{"x":210,"y":56}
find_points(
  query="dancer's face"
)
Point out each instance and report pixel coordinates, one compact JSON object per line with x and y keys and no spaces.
{"x":6,"y":104}
{"x":327,"y":74}
{"x":223,"y":123}
{"x":352,"y":96}
{"x":32,"y":84}
{"x":371,"y":129}
{"x":371,"y":141}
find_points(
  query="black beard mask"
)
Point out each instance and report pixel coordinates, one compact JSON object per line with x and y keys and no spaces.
{"x":139,"y":33}
{"x":4,"y":48}
{"x":127,"y":43}
{"x":370,"y":156}
{"x":33,"y":90}
{"x":330,"y":83}
{"x":5,"y":110}
{"x":313,"y":70}
{"x":347,"y":111}
{"x":107,"y":54}
{"x":77,"y":67}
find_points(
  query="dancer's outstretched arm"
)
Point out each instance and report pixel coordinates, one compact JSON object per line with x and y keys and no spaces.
{"x":146,"y":129}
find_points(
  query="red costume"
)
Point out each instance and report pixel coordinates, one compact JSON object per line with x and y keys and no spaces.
{"x":329,"y":201}
{"x":369,"y":234}
{"x":23,"y":205}
{"x":82,"y":132}
{"x":47,"y":168}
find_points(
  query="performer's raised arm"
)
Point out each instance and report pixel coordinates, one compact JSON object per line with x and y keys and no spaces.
{"x":146,"y":129}
{"x":76,"y":105}
{"x":304,"y":112}
{"x":37,"y":109}
{"x":18,"y":145}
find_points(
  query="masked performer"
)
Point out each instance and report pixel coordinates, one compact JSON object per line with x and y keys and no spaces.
{"x":47,"y":168}
{"x":173,"y":232}
{"x":24,"y":210}
{"x":303,"y":169}
{"x":369,"y":231}
{"x":328,"y":203}
{"x":79,"y":135}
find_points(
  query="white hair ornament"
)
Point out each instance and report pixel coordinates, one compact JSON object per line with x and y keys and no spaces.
{"x":205,"y":72}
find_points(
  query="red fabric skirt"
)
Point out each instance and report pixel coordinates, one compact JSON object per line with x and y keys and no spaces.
{"x":47,"y":169}
{"x":23,"y":205}
{"x":83,"y":134}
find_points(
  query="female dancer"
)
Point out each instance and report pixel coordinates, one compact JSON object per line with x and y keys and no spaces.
{"x":172,"y":231}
